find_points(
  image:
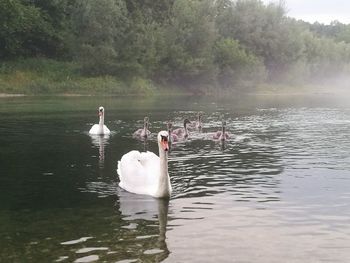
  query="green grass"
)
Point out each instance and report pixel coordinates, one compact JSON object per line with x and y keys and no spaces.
{"x":46,"y":76}
{"x":41,"y":76}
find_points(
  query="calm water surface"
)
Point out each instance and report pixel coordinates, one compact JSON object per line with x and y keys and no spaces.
{"x":277,"y":191}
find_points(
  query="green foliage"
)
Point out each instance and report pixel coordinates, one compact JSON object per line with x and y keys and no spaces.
{"x":264,"y":30}
{"x":27,"y":29}
{"x":128,"y":46}
{"x":46,"y":76}
{"x":22,"y":29}
{"x":99,"y":30}
{"x":336,"y":31}
{"x":190,"y":37}
{"x":236,"y":65}
{"x":324,"y":56}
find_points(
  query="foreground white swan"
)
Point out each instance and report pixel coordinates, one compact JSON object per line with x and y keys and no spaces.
{"x":146,"y":173}
{"x":100,"y":128}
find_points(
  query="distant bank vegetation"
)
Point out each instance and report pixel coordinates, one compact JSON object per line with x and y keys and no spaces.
{"x":134,"y":46}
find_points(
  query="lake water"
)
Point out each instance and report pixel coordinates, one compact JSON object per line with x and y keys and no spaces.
{"x":277,"y":191}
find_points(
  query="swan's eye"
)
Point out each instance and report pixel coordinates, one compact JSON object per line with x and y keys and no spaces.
{"x":164,"y":138}
{"x":101,"y":110}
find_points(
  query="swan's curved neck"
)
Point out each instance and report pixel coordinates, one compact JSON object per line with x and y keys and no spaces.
{"x":145,"y":126}
{"x":170,"y":137}
{"x":102,"y":119}
{"x":101,"y":122}
{"x":223,"y":132}
{"x":185,"y":127}
{"x":164,"y":181}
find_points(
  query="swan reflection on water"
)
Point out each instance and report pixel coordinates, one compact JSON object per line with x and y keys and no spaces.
{"x":141,"y":207}
{"x":100,"y":141}
{"x":222,"y":145}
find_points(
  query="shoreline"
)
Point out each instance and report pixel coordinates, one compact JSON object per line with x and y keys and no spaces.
{"x":258,"y":92}
{"x":9,"y":95}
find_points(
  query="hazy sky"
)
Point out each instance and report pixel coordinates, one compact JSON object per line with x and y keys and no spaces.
{"x":323,"y":11}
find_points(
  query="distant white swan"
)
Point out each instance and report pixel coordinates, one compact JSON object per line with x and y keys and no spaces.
{"x":100,"y":128}
{"x":222,"y":135}
{"x":144,"y":132}
{"x":146,"y":173}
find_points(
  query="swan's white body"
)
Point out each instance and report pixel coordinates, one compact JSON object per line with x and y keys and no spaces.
{"x":146,"y":173}
{"x":100,"y":128}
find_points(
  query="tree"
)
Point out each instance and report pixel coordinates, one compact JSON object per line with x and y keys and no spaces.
{"x":190,"y":37}
{"x":236,"y":66}
{"x":100,"y":29}
{"x":24,"y":30}
{"x":264,"y":30}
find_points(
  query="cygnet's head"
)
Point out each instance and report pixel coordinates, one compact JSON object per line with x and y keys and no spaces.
{"x":186,"y":121}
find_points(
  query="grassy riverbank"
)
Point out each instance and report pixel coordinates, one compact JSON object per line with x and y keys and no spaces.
{"x":45,"y":76}
{"x":40,"y":76}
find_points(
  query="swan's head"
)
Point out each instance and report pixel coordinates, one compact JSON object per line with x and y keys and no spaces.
{"x":163,"y":139}
{"x":101,"y":111}
{"x":169,"y":125}
{"x":145,"y":119}
{"x":186,"y":121}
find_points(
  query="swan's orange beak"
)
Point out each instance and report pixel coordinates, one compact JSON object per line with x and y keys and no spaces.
{"x":165,"y":145}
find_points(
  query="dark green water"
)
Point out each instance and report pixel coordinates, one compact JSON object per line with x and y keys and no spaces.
{"x":277,"y":191}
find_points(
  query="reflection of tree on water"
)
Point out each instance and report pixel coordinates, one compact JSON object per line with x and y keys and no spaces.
{"x":100,"y":141}
{"x":143,"y":211}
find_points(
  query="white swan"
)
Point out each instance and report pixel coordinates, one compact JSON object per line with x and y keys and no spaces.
{"x":143,"y":133}
{"x":100,"y":128}
{"x":146,"y":173}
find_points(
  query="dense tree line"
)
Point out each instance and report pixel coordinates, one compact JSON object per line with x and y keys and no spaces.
{"x":189,"y":43}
